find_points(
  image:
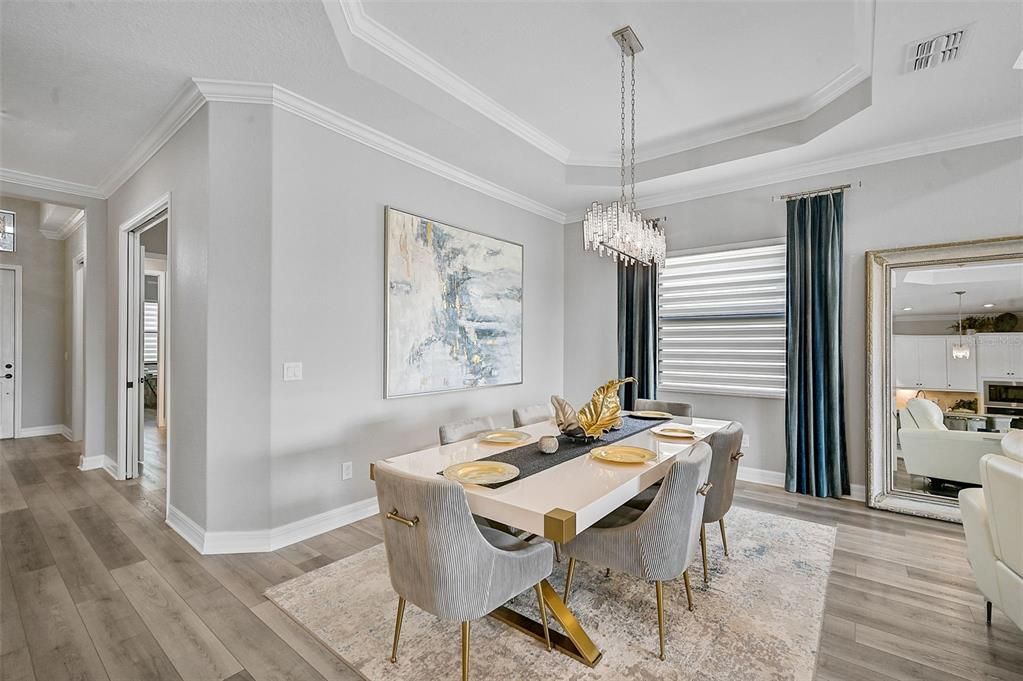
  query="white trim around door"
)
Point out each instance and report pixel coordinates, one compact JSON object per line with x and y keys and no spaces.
{"x":17,"y":348}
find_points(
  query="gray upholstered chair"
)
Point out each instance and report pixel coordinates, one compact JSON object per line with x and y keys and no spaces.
{"x":443,"y":562}
{"x":725,"y":445}
{"x":676,"y":408}
{"x":465,"y":429}
{"x":534,"y":413}
{"x":656,"y":544}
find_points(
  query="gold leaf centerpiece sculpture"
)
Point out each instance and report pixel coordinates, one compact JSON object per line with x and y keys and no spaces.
{"x":601,"y":414}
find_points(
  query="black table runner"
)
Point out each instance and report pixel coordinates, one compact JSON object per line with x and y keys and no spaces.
{"x":530,"y":460}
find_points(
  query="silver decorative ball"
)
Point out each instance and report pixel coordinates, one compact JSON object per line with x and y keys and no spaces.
{"x":548,"y":444}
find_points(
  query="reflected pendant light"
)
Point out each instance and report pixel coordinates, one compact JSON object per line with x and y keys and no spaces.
{"x":960,"y":350}
{"x":619,"y":230}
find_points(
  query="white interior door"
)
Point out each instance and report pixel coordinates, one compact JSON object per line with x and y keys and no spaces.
{"x":8,"y":336}
{"x":135,"y":412}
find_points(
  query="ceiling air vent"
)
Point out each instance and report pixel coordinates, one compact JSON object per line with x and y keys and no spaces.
{"x":937,"y":50}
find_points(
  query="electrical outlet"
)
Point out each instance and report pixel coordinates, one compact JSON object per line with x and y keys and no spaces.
{"x":745,"y":441}
{"x":292,"y":371}
{"x":346,"y":470}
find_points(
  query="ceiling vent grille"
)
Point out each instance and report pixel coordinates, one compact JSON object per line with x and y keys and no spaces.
{"x":937,"y":50}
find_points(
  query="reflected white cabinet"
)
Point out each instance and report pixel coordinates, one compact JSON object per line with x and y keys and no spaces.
{"x":920,"y":362}
{"x":999,"y":355}
{"x":925,"y":363}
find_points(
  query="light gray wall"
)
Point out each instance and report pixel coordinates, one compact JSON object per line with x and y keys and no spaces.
{"x":154,"y":239}
{"x":181,"y":167}
{"x":969,"y":193}
{"x":328,"y":302}
{"x":237,"y":351}
{"x":42,"y":297}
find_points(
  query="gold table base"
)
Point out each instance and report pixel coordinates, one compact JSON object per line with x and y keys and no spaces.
{"x":576,"y":644}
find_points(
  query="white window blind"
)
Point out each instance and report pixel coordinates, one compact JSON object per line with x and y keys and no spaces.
{"x":721,"y":322}
{"x":150,"y":332}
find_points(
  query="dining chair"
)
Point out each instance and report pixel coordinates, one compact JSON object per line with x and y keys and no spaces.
{"x":465,"y":429}
{"x":443,"y":562}
{"x":656,"y":544}
{"x":725,"y":446}
{"x":674,"y":408}
{"x":534,"y":413}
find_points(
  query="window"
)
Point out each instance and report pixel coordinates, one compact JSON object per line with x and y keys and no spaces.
{"x":150,"y":332}
{"x":721,"y":322}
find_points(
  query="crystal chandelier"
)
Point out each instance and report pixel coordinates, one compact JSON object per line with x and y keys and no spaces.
{"x":619,"y":230}
{"x":960,"y":350}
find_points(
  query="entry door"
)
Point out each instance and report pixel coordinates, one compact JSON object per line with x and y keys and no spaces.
{"x":8,"y":371}
{"x":136,"y":289}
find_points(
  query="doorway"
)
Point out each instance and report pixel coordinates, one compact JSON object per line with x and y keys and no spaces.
{"x":10,"y":350}
{"x":78,"y":349}
{"x":143,"y":364}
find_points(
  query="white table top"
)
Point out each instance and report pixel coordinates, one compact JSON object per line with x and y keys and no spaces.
{"x":564,"y":500}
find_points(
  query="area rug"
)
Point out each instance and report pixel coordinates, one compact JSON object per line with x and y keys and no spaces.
{"x":760,"y":617}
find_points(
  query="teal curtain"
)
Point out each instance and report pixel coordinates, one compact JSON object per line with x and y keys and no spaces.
{"x":816,"y":461}
{"x":637,"y":331}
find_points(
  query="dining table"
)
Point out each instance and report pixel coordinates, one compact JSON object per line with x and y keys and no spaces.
{"x":559,"y":501}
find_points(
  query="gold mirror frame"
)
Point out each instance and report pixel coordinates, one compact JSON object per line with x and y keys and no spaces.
{"x":880,"y":436}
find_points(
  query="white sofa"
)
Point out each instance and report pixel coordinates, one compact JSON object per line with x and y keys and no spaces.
{"x":932,"y":450}
{"x":993,"y":520}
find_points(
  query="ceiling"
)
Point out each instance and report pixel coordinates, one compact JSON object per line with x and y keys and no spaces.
{"x":931,"y":291}
{"x":522,"y":95}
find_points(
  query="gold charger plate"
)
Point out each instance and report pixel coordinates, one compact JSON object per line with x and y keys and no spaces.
{"x":623,"y":454}
{"x":503,"y":437}
{"x":673,"y":431}
{"x":481,"y":472}
{"x":651,"y":415}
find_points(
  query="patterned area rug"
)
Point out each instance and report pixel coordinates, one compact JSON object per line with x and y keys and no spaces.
{"x":760,"y":617}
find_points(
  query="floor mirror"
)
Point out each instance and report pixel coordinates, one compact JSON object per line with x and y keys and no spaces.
{"x":944,"y":369}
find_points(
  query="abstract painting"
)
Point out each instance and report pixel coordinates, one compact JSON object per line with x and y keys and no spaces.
{"x":454,"y":308}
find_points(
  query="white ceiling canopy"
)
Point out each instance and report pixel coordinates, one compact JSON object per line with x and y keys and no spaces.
{"x":931,"y":290}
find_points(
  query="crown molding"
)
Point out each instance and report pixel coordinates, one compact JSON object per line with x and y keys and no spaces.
{"x":49,"y":183}
{"x":286,"y":100}
{"x":67,"y":229}
{"x":376,"y":35}
{"x":896,"y":152}
{"x":184,"y":106}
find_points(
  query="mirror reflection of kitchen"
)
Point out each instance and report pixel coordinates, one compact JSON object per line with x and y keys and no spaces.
{"x":957,"y":370}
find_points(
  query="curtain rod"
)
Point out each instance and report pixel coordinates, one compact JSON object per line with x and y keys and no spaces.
{"x":818,"y":192}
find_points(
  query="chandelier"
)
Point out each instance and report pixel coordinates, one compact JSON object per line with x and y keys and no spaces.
{"x":618,"y":229}
{"x":960,"y":350}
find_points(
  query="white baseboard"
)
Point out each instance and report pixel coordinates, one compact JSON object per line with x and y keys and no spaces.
{"x":88,"y":463}
{"x":260,"y":541}
{"x":776,"y":479}
{"x":111,"y":467}
{"x":40,"y":431}
{"x":68,"y":435}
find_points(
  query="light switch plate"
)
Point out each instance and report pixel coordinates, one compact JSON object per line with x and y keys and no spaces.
{"x":346,"y":470}
{"x":292,"y":371}
{"x":745,"y":441}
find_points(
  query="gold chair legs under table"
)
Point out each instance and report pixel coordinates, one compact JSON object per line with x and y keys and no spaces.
{"x":660,"y":615}
{"x":689,"y":590}
{"x":397,"y":629}
{"x":465,"y":651}
{"x":569,"y":574}
{"x":724,"y":539}
{"x":703,"y":550}
{"x":574,"y":643}
{"x":543,"y":616}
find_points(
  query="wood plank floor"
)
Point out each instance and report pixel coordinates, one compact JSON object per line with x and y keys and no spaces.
{"x":93,"y":585}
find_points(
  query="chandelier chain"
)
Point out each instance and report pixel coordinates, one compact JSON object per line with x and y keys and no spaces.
{"x":632,"y":161}
{"x":622,"y":166}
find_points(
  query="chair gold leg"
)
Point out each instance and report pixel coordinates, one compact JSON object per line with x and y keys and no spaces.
{"x":660,"y":615}
{"x":724,"y":538}
{"x":543,"y":617}
{"x":465,"y":651}
{"x":568,"y":578}
{"x":397,"y":629}
{"x":557,"y":552}
{"x":703,"y":549}
{"x":689,"y":590}
{"x":607,"y":573}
